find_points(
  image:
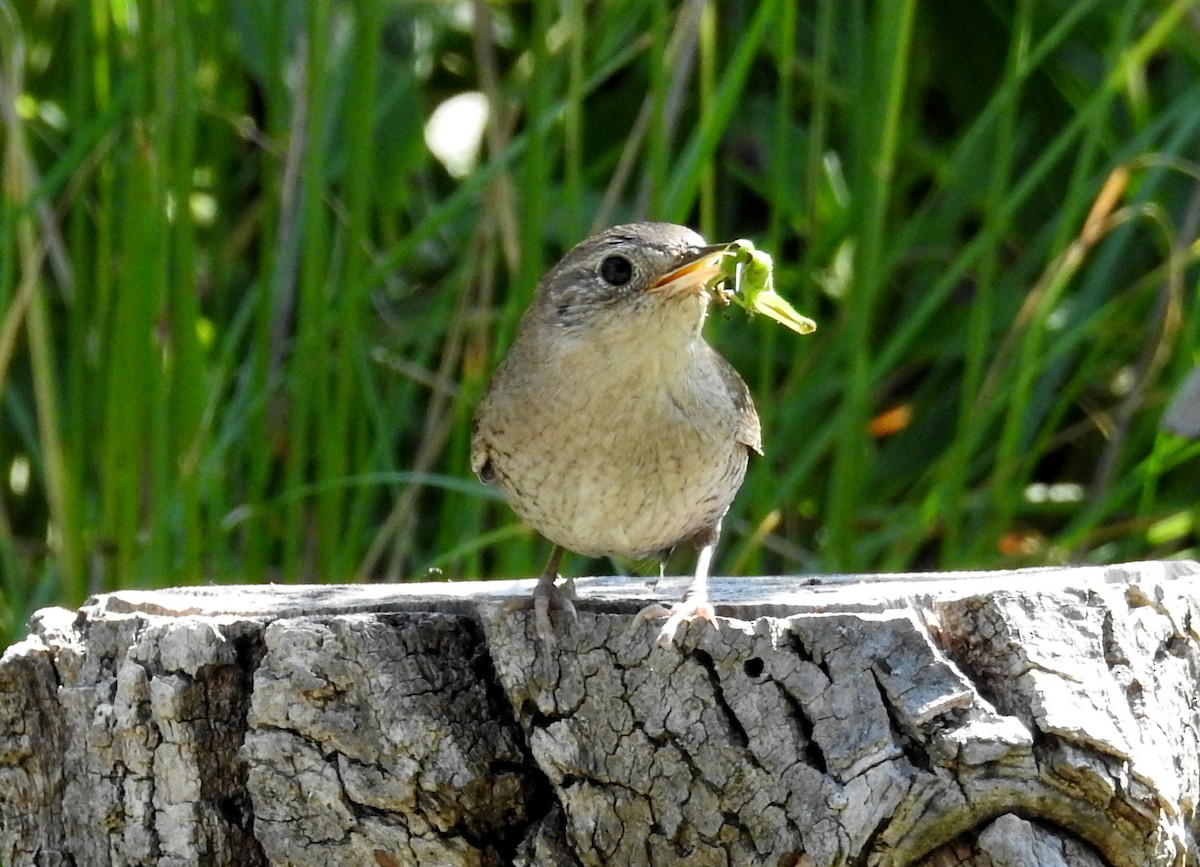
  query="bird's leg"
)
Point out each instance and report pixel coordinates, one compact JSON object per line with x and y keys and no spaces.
{"x":694,"y":603}
{"x":546,"y":596}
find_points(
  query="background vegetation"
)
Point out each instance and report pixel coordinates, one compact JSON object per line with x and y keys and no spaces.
{"x":245,"y":311}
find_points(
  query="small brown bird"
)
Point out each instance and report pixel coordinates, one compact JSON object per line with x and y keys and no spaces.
{"x":611,"y":426}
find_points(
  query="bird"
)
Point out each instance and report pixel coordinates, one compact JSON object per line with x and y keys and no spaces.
{"x":611,"y":426}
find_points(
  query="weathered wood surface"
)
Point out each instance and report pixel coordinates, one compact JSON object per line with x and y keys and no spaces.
{"x":1042,"y":717}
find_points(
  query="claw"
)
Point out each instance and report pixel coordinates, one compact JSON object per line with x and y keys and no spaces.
{"x":681,"y":612}
{"x":547,"y":596}
{"x":656,"y":611}
{"x":695,"y":604}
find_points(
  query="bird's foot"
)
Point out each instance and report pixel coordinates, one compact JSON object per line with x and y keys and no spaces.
{"x":547,"y":597}
{"x":689,"y":609}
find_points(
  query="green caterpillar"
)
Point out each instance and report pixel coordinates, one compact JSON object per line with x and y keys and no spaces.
{"x":751,"y":273}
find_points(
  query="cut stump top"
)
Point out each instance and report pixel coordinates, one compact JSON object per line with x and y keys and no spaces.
{"x":1037,"y":716}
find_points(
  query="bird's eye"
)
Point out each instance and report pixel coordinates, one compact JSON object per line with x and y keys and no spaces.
{"x":616,"y":270}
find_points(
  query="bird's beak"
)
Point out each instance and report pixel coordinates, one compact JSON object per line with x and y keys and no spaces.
{"x":693,"y":274}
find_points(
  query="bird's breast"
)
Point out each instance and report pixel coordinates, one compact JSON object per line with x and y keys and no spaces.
{"x":614,"y":450}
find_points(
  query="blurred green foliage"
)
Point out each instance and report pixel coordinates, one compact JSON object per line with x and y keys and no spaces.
{"x":247,"y":310}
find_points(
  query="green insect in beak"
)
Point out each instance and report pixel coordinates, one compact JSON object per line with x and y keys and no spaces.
{"x":751,"y":273}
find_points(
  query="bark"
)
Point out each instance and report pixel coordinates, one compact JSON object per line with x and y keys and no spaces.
{"x":1038,"y":717}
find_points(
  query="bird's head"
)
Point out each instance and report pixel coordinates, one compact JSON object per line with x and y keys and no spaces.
{"x":648,"y":276}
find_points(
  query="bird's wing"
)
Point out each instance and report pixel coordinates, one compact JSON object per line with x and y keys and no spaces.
{"x":481,"y":460}
{"x":748,"y":431}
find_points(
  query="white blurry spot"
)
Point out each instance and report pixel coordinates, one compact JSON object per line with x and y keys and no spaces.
{"x":1059,"y":492}
{"x":204,"y":208}
{"x":454,"y":132}
{"x":1059,"y":315}
{"x":1123,"y":382}
{"x":835,"y":279}
{"x":462,"y":16}
{"x":836,"y":178}
{"x":52,"y":115}
{"x":18,"y":476}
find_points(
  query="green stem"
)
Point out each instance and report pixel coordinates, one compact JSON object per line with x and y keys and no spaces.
{"x":882,"y":95}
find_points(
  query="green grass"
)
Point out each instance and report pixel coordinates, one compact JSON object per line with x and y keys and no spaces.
{"x":245,"y":314}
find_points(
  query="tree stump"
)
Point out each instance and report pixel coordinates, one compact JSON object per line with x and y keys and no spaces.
{"x":1035,"y":717}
